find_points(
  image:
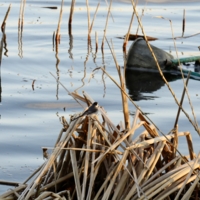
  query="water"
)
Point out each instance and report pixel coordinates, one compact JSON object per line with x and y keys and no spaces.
{"x":30,"y":116}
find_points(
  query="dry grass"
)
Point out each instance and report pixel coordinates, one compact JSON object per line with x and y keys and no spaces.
{"x":94,"y":159}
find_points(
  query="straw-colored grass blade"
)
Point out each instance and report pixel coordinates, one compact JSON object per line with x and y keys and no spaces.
{"x":120,"y":165}
{"x":76,"y":174}
{"x":5,"y":19}
{"x":187,"y":178}
{"x":85,"y":173}
{"x":188,"y":194}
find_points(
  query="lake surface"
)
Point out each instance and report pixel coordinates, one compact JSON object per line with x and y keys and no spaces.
{"x":30,"y":116}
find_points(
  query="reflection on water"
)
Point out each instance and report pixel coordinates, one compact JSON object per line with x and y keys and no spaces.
{"x":142,"y":83}
{"x":20,"y":28}
{"x":70,"y":46}
{"x":3,"y":44}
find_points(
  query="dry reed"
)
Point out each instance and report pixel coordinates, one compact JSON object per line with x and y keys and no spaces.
{"x":70,"y":17}
{"x":92,"y":159}
{"x":5,"y":19}
{"x":57,"y":37}
{"x":90,"y":28}
{"x":109,"y":9}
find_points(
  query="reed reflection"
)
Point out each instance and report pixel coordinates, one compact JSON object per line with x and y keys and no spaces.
{"x":3,"y":43}
{"x":57,"y":69}
{"x":70,"y":46}
{"x":20,"y":27}
{"x":142,"y":83}
{"x":89,"y":48}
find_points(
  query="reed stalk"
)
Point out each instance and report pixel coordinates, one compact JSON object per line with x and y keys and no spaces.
{"x":3,"y":25}
{"x":88,"y":15}
{"x":71,"y":16}
{"x":57,"y":36}
{"x":109,"y":9}
{"x":90,"y":28}
{"x":122,"y":83}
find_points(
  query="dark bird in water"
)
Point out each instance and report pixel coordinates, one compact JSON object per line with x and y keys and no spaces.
{"x":91,"y":110}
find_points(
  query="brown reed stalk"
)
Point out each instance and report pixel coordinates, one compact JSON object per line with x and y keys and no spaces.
{"x":138,"y":24}
{"x":190,"y":146}
{"x":122,"y":83}
{"x":70,"y":17}
{"x":182,"y":98}
{"x":90,"y":29}
{"x":183,"y":25}
{"x":188,"y":194}
{"x":59,"y":22}
{"x":3,"y":25}
{"x":107,"y":193}
{"x":144,"y":171}
{"x":187,"y":178}
{"x":173,"y":188}
{"x":109,"y":9}
{"x":87,"y":157}
{"x":76,"y":174}
{"x":175,"y":141}
{"x":88,"y":15}
{"x":126,"y":42}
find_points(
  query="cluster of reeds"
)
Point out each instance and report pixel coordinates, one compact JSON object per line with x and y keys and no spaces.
{"x":94,"y":159}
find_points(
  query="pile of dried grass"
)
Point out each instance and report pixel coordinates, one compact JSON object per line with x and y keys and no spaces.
{"x":94,"y":159}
